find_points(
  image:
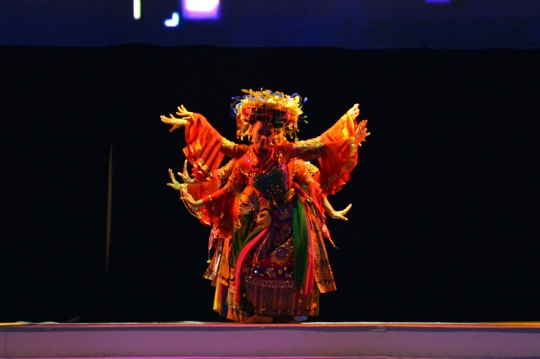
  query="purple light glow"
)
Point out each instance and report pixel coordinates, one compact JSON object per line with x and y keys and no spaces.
{"x":438,"y":1}
{"x":200,"y":9}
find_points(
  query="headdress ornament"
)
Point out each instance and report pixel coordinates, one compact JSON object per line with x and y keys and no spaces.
{"x":281,"y":110}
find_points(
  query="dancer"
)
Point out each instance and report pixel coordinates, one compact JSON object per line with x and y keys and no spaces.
{"x":280,"y":263}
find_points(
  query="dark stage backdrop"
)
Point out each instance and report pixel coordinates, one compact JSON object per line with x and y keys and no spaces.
{"x":444,"y":224}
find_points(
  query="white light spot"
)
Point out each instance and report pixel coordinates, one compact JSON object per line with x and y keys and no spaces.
{"x":136,"y":9}
{"x":173,"y":21}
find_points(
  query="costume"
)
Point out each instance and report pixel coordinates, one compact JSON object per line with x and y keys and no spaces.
{"x":272,"y":259}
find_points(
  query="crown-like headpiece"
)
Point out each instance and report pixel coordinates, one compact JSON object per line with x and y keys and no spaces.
{"x":281,"y":110}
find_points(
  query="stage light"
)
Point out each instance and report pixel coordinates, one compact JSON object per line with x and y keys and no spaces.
{"x":136,"y":9}
{"x":173,"y":21}
{"x":200,"y":9}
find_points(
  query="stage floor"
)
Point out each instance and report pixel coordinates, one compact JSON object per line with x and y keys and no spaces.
{"x":307,"y":340}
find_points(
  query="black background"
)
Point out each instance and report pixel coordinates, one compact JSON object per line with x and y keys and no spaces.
{"x":444,"y":224}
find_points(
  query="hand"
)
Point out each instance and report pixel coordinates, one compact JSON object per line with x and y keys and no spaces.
{"x":174,"y":183}
{"x":340,"y":214}
{"x":175,"y":122}
{"x":185,"y":175}
{"x":182,"y":112}
{"x":192,"y":202}
{"x":354,"y":111}
{"x":332,"y":212}
{"x":361,"y":132}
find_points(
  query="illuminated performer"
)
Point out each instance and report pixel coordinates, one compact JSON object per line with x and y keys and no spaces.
{"x":270,"y":262}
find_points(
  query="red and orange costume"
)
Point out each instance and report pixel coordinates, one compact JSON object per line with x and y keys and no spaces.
{"x":276,"y":268}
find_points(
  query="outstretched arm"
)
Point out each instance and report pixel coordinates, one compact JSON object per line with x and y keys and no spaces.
{"x":344,"y":129}
{"x":336,"y":151}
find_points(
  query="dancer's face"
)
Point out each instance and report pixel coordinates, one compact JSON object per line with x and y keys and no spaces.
{"x":262,"y":134}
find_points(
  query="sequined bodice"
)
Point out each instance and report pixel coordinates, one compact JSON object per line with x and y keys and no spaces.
{"x":272,"y":184}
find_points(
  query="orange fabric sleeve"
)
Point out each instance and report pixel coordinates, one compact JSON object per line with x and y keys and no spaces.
{"x":203,"y":144}
{"x":206,"y":148}
{"x":339,"y":156}
{"x":336,"y":151}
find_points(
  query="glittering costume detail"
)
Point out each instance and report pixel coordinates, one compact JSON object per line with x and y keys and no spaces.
{"x":225,"y":172}
{"x":272,"y":184}
{"x":285,"y":301}
{"x":270,"y":282}
{"x":227,"y":147}
{"x":283,"y":254}
{"x":236,"y":182}
{"x":313,"y":146}
{"x":231,"y":149}
{"x":312,"y":170}
{"x":282,"y":110}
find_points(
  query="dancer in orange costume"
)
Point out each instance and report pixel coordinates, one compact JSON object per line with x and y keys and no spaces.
{"x":278,"y":261}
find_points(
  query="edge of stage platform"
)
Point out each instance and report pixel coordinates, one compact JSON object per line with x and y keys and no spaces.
{"x":307,"y":340}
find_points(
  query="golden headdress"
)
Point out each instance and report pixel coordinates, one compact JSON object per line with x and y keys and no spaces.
{"x":277,"y":108}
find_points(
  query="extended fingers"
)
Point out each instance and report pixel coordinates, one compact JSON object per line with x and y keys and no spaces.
{"x":183,"y":111}
{"x":362,"y":125}
{"x":341,"y":214}
{"x":184,"y":177}
{"x":347,"y":209}
{"x":361,"y":131}
{"x":338,"y":215}
{"x":342,"y":217}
